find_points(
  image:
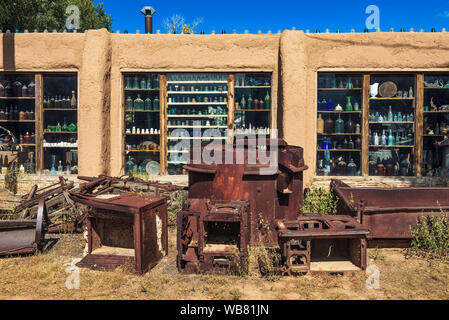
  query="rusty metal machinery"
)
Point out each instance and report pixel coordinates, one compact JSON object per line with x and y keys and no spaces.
{"x":124,"y":229}
{"x":233,"y":205}
{"x":316,"y":243}
{"x":390,"y":212}
{"x":24,"y":236}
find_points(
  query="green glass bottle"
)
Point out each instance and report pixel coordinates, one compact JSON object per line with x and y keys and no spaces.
{"x":267,"y":101}
{"x":148,"y":104}
{"x":143,"y":84}
{"x":250,"y":102}
{"x":349,"y":104}
{"x":58,"y":127}
{"x":129,"y":104}
{"x":64,"y":126}
{"x":139,"y":103}
{"x":156,"y":104}
{"x":356,"y":106}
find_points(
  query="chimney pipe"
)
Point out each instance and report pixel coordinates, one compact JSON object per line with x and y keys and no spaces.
{"x":148,"y":13}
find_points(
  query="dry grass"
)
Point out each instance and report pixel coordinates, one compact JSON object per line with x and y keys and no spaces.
{"x":43,"y":277}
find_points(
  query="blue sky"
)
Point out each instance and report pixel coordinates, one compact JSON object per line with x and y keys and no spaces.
{"x":254,"y":15}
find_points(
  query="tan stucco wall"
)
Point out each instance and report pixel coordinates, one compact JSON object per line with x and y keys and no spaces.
{"x":293,"y":57}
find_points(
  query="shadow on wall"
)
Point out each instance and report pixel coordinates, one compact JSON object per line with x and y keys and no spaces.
{"x":280,"y":109}
{"x":9,"y":62}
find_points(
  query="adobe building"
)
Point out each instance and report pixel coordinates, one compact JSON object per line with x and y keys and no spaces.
{"x":132,"y":90}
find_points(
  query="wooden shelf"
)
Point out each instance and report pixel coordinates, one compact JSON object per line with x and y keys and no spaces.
{"x":146,"y":151}
{"x":147,"y":111}
{"x":436,"y":88}
{"x":197,"y":103}
{"x":148,"y":90}
{"x":48,"y":147}
{"x":391,"y":122}
{"x":338,"y":89}
{"x":337,"y":112}
{"x":142,"y":134}
{"x":197,"y":138}
{"x":22,"y":145}
{"x":396,"y":146}
{"x":197,"y":116}
{"x":435,"y":135}
{"x":438,"y":111}
{"x":374,"y":99}
{"x":198,"y":82}
{"x":340,"y":150}
{"x":26,"y":121}
{"x":197,"y":92}
{"x":253,"y":110}
{"x":339,"y":134}
{"x":177,"y":162}
{"x":252,"y":87}
{"x":197,"y":127}
{"x":59,"y":132}
{"x":17,"y":98}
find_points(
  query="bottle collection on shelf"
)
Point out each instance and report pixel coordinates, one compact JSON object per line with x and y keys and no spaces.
{"x":331,"y":82}
{"x":64,"y":128}
{"x":389,"y":137}
{"x":197,"y":99}
{"x":338,"y":126}
{"x":140,"y":105}
{"x":193,"y":78}
{"x":210,"y":111}
{"x":374,"y":91}
{"x":214,"y":122}
{"x":338,"y":166}
{"x":143,"y":147}
{"x":144,"y":82}
{"x":242,"y":80}
{"x":432,"y":162}
{"x":328,"y":105}
{"x":391,"y":117}
{"x":71,"y":166}
{"x":252,"y":130}
{"x":346,"y":144}
{"x":13,"y":113}
{"x":254,"y":104}
{"x":215,"y":89}
{"x":17,"y":89}
{"x":60,"y":102}
{"x":142,"y":131}
{"x":403,"y":166}
{"x":26,"y":168}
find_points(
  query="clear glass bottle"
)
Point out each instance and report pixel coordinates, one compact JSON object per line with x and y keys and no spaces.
{"x":352,"y":168}
{"x":148,"y":104}
{"x":73,"y":100}
{"x":139,"y":103}
{"x":339,"y":125}
{"x":156,"y":104}
{"x":129,"y":104}
{"x":390,"y":114}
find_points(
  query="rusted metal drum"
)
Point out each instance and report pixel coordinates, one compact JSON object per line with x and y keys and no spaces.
{"x":24,"y":236}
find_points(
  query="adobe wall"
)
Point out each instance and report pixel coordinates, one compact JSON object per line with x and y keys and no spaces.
{"x":294,"y":58}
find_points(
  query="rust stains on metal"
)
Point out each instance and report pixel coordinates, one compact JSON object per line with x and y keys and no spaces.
{"x":390,"y":212}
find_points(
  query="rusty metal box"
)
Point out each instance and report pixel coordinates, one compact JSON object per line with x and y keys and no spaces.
{"x":125,"y":230}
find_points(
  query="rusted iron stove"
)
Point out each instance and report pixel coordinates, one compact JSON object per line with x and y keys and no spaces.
{"x":318,"y":243}
{"x":236,"y":204}
{"x":124,"y":230}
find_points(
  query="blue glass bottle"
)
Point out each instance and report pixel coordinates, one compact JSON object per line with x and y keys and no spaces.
{"x":329,"y":105}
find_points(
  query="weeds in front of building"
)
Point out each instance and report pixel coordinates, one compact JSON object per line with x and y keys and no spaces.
{"x":319,"y":200}
{"x":430,"y":239}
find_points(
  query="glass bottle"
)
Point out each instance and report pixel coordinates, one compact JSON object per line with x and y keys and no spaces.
{"x":138,"y":103}
{"x":320,"y":125}
{"x":64,"y":126}
{"x":330,"y":105}
{"x":31,"y":88}
{"x":128,"y":83}
{"x":129,"y":103}
{"x":342,"y":167}
{"x":24,"y":90}
{"x":243,"y":102}
{"x":60,"y":167}
{"x":250,"y":101}
{"x":22,"y":115}
{"x":410,"y":92}
{"x":8,"y":90}
{"x":357,"y":128}
{"x":148,"y":104}
{"x":149,"y":83}
{"x":329,"y":125}
{"x":2,"y":90}
{"x":156,"y":104}
{"x":349,"y":104}
{"x":349,"y":84}
{"x":52,"y":102}
{"x":58,"y":127}
{"x":358,"y":143}
{"x":352,"y":168}
{"x":390,"y":114}
{"x":324,"y":104}
{"x":339,"y":125}
{"x":136,"y":83}
{"x":267,"y":101}
{"x":349,"y":126}
{"x":156,"y":83}
{"x":356,"y":106}
{"x":143,"y":84}
{"x":390,"y":139}
{"x":384,"y":138}
{"x":73,"y":100}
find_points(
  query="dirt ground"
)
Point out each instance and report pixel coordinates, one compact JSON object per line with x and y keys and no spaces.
{"x":44,"y":277}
